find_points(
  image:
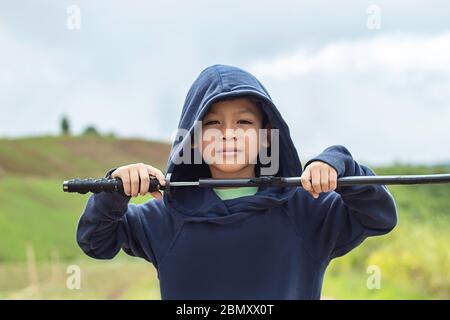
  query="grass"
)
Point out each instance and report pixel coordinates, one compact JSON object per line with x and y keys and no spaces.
{"x":72,"y":156}
{"x":123,"y":278}
{"x":37,"y":211}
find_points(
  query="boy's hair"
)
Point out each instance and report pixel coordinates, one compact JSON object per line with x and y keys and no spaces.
{"x":255,"y":100}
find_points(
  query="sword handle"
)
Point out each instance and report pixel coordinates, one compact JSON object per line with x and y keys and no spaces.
{"x":84,"y":186}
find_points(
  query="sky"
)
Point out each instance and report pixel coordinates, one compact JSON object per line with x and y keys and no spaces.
{"x":371,"y":75}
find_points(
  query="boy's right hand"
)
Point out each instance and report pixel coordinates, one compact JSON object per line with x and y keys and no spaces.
{"x":136,"y":179}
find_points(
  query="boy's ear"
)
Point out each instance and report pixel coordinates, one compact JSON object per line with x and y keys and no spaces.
{"x":266,"y":137}
{"x":194,"y":143}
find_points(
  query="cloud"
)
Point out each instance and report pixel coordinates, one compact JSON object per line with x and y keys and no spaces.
{"x":387,"y":98}
{"x":38,"y":85}
{"x":394,"y":53}
{"x":128,"y":69}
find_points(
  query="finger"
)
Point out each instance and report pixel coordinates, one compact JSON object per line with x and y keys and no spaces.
{"x":145,"y":180}
{"x":115,"y":174}
{"x":157,"y":194}
{"x":134,"y":178}
{"x":315,"y":173}
{"x":324,"y":183}
{"x":125,"y":176}
{"x":333,"y":179}
{"x":305,"y":180}
{"x":158,"y":174}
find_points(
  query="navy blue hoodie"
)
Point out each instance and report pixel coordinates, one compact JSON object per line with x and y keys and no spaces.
{"x":275,"y":244}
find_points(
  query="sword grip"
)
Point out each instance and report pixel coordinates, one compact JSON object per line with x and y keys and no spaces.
{"x":84,"y":186}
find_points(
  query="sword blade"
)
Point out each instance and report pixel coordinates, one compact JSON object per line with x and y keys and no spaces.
{"x":296,"y":181}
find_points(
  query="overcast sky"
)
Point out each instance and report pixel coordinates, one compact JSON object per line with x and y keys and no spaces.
{"x":338,"y":74}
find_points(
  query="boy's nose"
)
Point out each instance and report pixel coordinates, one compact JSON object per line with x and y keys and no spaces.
{"x":229,"y":134}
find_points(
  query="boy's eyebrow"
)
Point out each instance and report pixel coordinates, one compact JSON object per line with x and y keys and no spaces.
{"x":241,"y":110}
{"x":244,"y":110}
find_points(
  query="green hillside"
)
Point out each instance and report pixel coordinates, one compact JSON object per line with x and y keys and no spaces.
{"x":65,"y":157}
{"x":33,"y":207}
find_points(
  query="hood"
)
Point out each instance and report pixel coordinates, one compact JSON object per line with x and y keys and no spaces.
{"x":215,"y":83}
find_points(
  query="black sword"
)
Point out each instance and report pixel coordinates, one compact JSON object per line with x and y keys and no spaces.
{"x":115,"y":184}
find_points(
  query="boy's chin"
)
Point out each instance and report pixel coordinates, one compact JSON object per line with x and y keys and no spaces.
{"x":229,"y":168}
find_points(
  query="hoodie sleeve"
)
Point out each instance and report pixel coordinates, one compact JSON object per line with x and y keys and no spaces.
{"x":109,"y":223}
{"x":349,"y":215}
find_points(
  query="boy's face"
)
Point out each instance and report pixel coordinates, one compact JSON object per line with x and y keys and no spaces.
{"x":231,"y":136}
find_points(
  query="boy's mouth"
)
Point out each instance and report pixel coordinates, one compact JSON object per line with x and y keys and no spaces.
{"x":229,"y":151}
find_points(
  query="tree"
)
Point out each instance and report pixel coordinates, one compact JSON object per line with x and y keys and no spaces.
{"x":65,"y":126}
{"x":91,"y":131}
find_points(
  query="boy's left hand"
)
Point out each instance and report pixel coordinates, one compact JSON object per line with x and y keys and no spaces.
{"x":319,"y":177}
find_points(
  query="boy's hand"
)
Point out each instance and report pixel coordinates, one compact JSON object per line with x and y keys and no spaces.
{"x":319,"y":177}
{"x":136,"y":179}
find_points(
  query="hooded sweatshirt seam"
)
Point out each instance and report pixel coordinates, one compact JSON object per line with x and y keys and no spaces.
{"x":181,"y":223}
{"x":220,"y":77}
{"x":317,"y":260}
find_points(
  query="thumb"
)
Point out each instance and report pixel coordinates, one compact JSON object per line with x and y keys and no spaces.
{"x":157,"y":195}
{"x":114,"y":174}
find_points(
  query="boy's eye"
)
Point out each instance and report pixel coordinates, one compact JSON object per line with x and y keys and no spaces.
{"x":211,"y":122}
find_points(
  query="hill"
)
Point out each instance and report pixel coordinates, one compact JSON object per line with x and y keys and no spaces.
{"x":76,"y":156}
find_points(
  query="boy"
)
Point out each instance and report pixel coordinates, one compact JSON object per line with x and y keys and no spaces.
{"x":237,"y":243}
